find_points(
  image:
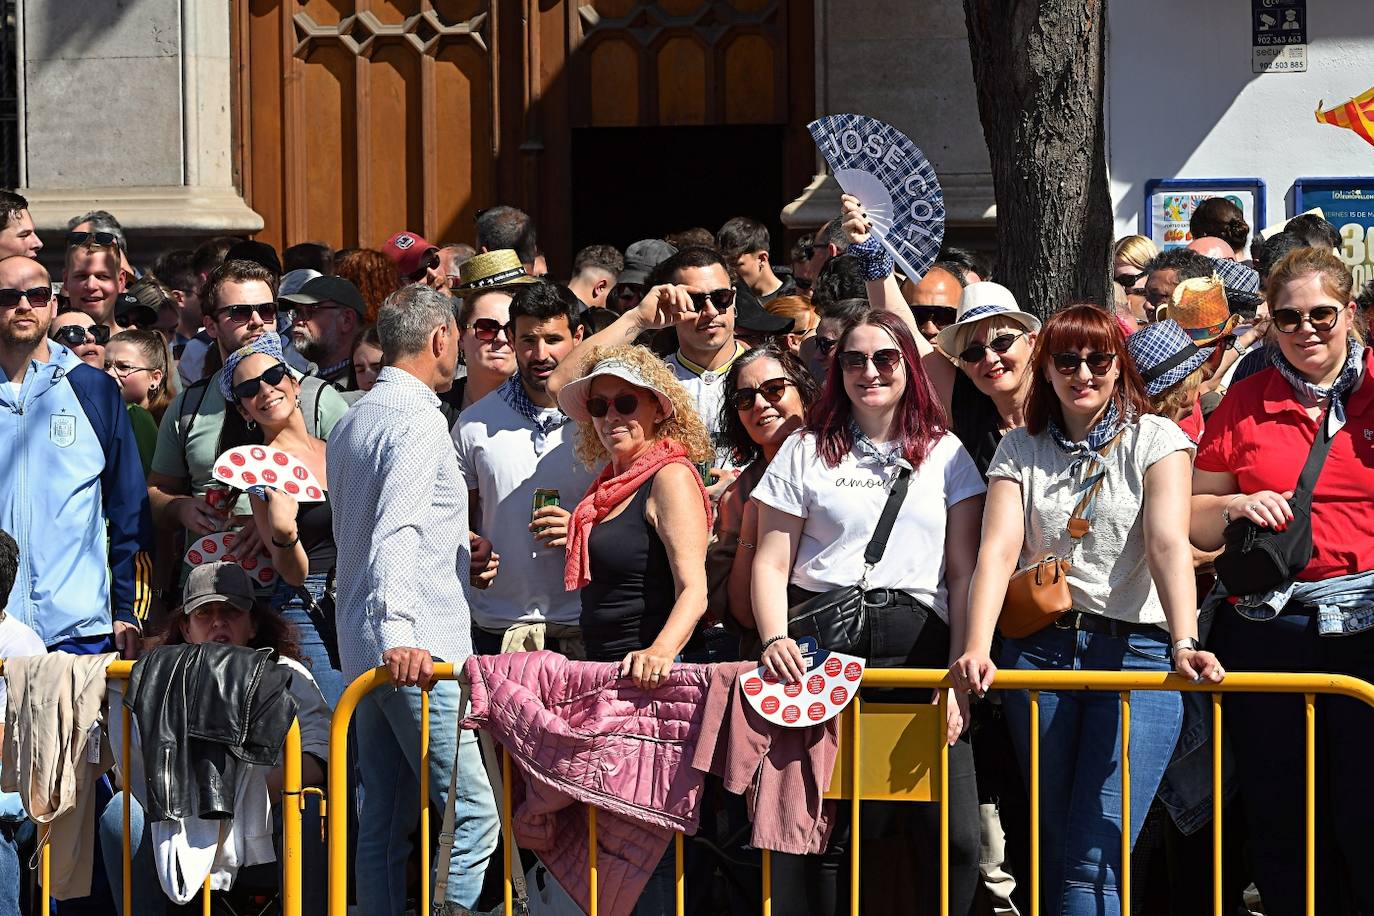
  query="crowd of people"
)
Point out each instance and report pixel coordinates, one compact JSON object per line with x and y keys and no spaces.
{"x":653,"y":465}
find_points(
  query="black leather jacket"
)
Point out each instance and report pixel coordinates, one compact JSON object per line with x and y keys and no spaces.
{"x":203,"y":711}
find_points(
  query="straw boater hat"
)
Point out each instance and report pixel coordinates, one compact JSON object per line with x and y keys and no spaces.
{"x":492,"y":270}
{"x":981,"y":300}
{"x":1199,"y":306}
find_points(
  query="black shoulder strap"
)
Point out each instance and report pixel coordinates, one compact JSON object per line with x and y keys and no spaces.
{"x":1321,"y":447}
{"x":878,"y":544}
{"x":189,"y":411}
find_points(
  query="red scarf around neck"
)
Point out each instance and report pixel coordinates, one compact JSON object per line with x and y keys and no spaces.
{"x":610,"y":490}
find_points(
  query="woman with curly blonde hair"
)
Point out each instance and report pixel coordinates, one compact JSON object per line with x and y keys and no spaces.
{"x":637,"y":540}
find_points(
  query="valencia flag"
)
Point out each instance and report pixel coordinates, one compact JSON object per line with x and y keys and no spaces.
{"x":1356,"y":114}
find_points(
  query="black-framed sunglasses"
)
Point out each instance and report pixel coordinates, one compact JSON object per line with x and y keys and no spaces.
{"x":999,"y":345}
{"x":250,"y":387}
{"x":487,"y":329}
{"x":1098,"y":362}
{"x":624,"y":404}
{"x":826,"y":345}
{"x":39,"y":295}
{"x":430,"y":263}
{"x":1128,"y":281}
{"x":239,"y":314}
{"x":306,"y":310}
{"x":942,"y":316}
{"x":721,"y":299}
{"x":97,"y":239}
{"x":885,"y":361}
{"x":772,"y":390}
{"x":74,"y":335}
{"x":1322,"y":318}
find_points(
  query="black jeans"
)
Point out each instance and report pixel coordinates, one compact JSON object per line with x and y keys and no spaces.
{"x":901,"y":851}
{"x":1267,"y":733}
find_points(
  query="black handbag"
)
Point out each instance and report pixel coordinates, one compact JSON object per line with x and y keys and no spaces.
{"x":1257,"y":559}
{"x":838,"y":619}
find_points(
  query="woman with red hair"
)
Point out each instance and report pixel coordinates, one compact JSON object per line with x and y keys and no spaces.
{"x":877,"y":424}
{"x":1091,"y":449}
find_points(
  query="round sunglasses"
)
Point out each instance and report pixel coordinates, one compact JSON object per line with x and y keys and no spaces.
{"x":999,"y":345}
{"x":772,"y":391}
{"x":1322,"y":318}
{"x":885,"y":361}
{"x":250,"y":387}
{"x":1098,"y":362}
{"x":624,"y":404}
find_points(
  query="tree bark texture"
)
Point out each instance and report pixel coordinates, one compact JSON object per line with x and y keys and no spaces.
{"x":1039,"y":70}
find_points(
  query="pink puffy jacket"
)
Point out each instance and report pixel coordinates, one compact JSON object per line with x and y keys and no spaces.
{"x":581,"y":733}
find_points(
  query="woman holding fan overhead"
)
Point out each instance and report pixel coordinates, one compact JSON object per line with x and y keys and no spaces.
{"x":265,"y":398}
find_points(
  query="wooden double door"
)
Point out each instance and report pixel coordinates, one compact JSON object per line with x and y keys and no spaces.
{"x":357,"y":118}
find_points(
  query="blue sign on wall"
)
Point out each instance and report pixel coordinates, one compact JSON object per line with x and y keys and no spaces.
{"x":1348,"y":203}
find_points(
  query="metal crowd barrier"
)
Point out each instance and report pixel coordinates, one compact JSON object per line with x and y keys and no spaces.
{"x":291,"y":817}
{"x":894,"y":752}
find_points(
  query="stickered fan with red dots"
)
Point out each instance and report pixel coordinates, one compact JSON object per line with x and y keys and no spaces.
{"x":219,"y":548}
{"x":828,"y":686}
{"x":251,"y":465}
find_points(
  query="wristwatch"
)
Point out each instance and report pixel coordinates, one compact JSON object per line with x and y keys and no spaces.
{"x":1187,"y":643}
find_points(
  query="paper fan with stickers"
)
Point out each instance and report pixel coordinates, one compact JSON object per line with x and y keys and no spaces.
{"x":828,"y":686}
{"x":891,"y":177}
{"x":261,"y":465}
{"x":219,"y":548}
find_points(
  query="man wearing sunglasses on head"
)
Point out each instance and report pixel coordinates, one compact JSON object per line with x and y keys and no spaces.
{"x":693,"y":295}
{"x":240,"y":305}
{"x":73,"y":478}
{"x":94,"y":278}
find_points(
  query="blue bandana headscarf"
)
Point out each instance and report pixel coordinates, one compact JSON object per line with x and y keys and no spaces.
{"x":1337,"y":391}
{"x":1088,"y":452}
{"x":867,"y":448}
{"x":269,"y":344}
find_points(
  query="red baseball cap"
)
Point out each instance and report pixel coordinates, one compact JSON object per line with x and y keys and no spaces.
{"x":407,"y":251}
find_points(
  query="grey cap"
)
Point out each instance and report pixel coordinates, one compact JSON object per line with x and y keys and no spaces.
{"x":642,"y":257}
{"x":211,"y":582}
{"x":293,"y":280}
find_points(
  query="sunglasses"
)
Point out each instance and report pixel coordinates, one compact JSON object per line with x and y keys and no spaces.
{"x":885,"y":361}
{"x":39,"y":295}
{"x":721,"y":298}
{"x":630,"y":292}
{"x":772,"y":391}
{"x":431,"y":262}
{"x":487,"y":329}
{"x":97,"y":239}
{"x":808,"y":252}
{"x":1128,"y":281}
{"x":1288,"y":321}
{"x":999,"y":345}
{"x":74,"y":335}
{"x":239,"y":314}
{"x":250,"y":387}
{"x":137,"y":319}
{"x":306,"y":310}
{"x":624,"y":404}
{"x":825,"y":345}
{"x":940,"y":315}
{"x":1068,"y":363}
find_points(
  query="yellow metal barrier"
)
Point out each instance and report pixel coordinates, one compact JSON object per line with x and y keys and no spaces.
{"x":897,"y":752}
{"x":293,"y":803}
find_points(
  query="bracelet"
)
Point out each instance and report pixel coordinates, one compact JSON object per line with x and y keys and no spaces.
{"x":291,"y":543}
{"x":745,"y":545}
{"x":772,"y":639}
{"x":1226,"y":509}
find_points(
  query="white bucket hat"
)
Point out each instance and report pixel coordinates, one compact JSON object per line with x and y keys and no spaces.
{"x":985,"y":299}
{"x":572,"y":399}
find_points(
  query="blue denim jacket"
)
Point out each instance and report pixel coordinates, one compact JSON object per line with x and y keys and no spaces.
{"x":1345,"y":605}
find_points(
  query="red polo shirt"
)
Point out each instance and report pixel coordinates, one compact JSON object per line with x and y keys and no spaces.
{"x":1262,"y":435}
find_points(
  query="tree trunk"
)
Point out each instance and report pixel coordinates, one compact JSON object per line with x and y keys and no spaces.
{"x":1039,"y":69}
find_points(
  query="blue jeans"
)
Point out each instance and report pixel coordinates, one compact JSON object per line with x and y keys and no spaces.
{"x":147,"y":897}
{"x":11,"y":874}
{"x":291,"y":606}
{"x":1080,"y":759}
{"x":387,"y":727}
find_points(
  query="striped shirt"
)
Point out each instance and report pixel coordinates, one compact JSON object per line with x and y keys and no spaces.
{"x":400,"y":526}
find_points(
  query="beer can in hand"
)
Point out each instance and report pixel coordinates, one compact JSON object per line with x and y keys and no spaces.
{"x":543,"y":496}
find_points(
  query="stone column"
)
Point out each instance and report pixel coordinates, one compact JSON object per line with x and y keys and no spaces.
{"x":125,"y":106}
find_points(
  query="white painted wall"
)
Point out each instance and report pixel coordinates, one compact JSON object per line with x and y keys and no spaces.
{"x":1182,"y":101}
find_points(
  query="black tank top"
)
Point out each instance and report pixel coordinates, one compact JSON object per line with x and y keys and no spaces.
{"x":632,"y":592}
{"x":315,"y":524}
{"x":975,"y":420}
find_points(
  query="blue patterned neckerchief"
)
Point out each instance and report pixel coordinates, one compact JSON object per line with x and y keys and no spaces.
{"x":1337,"y":391}
{"x":867,"y":448}
{"x":545,"y":420}
{"x":1088,"y":452}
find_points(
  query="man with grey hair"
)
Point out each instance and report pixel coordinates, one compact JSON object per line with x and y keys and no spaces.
{"x":98,"y":221}
{"x":400,"y":506}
